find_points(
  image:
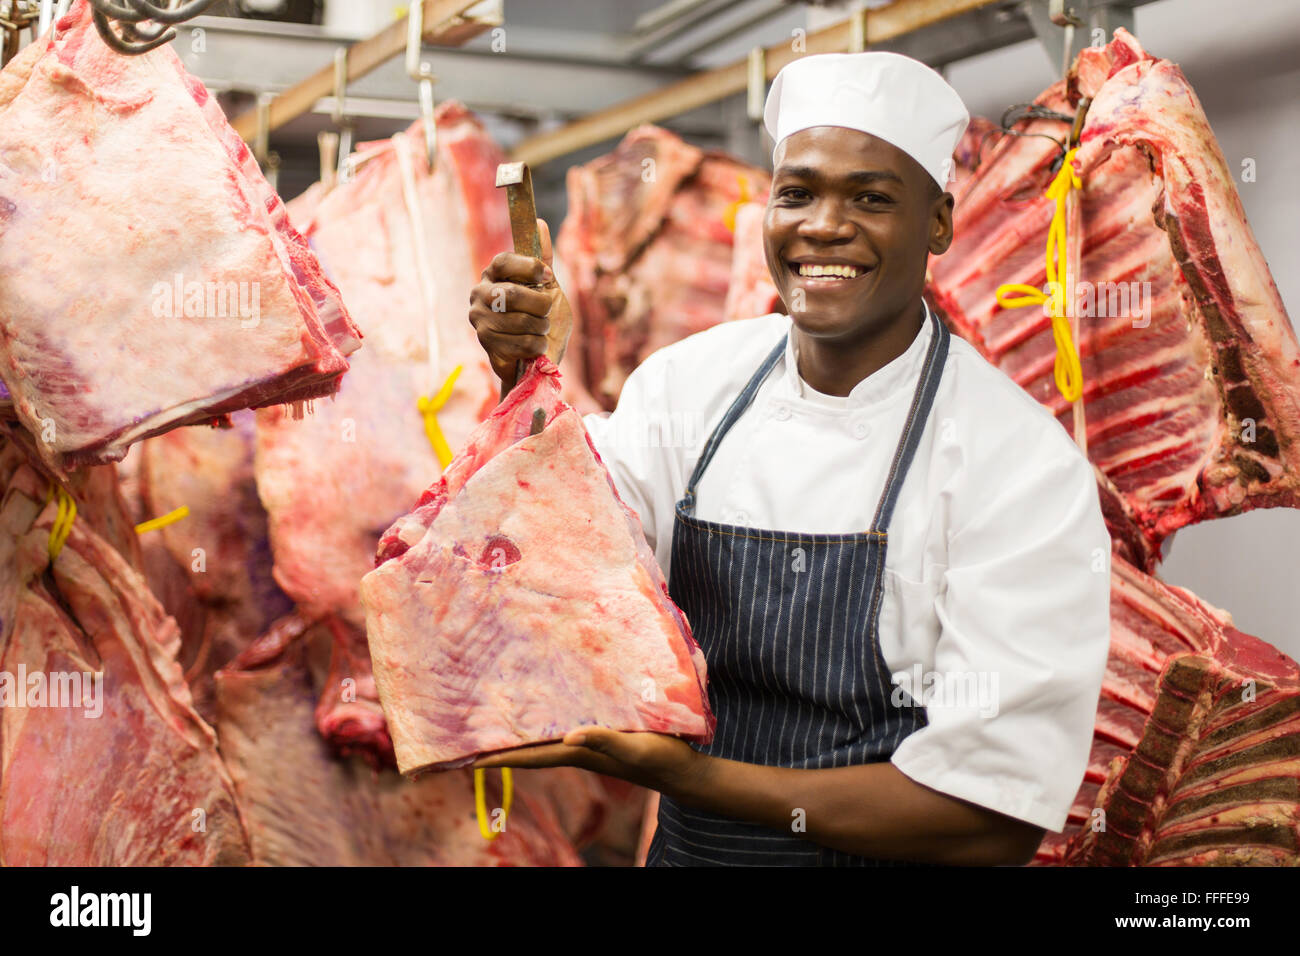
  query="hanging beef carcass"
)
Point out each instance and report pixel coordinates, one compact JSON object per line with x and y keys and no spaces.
{"x":151,"y":276}
{"x":520,"y":599}
{"x":1191,"y":370}
{"x":1196,"y":754}
{"x":648,"y":244}
{"x":305,"y":807}
{"x":405,"y":246}
{"x":103,"y":759}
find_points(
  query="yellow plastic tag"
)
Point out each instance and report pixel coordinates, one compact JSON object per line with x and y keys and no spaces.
{"x":171,"y":517}
{"x":480,"y":802}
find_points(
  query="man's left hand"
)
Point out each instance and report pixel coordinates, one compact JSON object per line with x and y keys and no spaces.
{"x":657,"y":761}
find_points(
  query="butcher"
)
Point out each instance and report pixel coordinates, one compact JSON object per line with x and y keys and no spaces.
{"x":893,"y":557}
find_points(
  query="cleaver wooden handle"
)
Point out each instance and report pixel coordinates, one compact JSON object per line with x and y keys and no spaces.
{"x":517,"y":180}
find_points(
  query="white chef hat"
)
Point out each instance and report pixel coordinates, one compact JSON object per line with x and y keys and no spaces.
{"x":890,"y":96}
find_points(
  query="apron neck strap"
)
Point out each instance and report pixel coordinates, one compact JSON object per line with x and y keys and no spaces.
{"x":742,"y":402}
{"x":922,"y":401}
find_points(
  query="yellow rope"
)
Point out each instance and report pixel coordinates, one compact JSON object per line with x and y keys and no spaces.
{"x":429,"y":408}
{"x":171,"y":517}
{"x":62,"y":526}
{"x":480,"y":802}
{"x":1068,"y":371}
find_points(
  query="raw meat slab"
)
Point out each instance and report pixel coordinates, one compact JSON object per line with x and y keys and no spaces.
{"x":1187,"y":770}
{"x":520,"y":600}
{"x":140,"y":783}
{"x":117,"y":175}
{"x":1193,"y":407}
{"x":648,"y":244}
{"x":405,"y":247}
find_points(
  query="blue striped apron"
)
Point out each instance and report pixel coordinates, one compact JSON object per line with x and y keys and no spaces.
{"x":787,"y":622}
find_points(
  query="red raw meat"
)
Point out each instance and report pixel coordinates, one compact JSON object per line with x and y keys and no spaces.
{"x":211,"y":569}
{"x":1186,"y":771}
{"x":520,"y":600}
{"x":305,"y":808}
{"x":92,"y":348}
{"x":141,"y":782}
{"x":1197,"y":414}
{"x":648,"y":246}
{"x":348,"y":714}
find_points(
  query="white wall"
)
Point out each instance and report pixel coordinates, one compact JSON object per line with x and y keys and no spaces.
{"x":1242,"y":61}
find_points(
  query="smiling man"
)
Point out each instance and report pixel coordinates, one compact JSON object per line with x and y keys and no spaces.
{"x":893,"y":558}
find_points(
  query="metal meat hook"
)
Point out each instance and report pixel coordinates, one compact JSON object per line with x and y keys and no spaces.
{"x":422,"y":73}
{"x":341,"y":142}
{"x":144,"y":25}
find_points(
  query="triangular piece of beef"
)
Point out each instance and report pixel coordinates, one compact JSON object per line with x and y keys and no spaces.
{"x":151,"y":278}
{"x":520,"y":600}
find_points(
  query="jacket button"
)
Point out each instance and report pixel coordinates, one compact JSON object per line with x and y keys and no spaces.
{"x":781,"y":413}
{"x":861,"y":429}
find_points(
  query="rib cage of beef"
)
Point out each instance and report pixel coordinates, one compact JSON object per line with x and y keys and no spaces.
{"x":1196,"y":757}
{"x":1193,"y":411}
{"x":1192,"y":404}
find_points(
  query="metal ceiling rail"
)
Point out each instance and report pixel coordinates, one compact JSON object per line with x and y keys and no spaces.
{"x":883,"y":24}
{"x":756,"y":19}
{"x":445,"y":25}
{"x":685,"y":20}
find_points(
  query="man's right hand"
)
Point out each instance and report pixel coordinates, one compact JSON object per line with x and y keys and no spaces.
{"x":519,"y":311}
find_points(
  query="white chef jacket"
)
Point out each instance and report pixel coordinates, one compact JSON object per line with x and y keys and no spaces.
{"x":997,"y":563}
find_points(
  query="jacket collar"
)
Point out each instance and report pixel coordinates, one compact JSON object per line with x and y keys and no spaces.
{"x":881,"y":384}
